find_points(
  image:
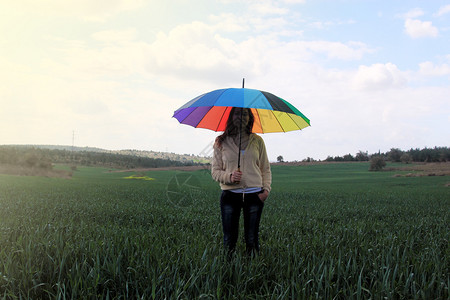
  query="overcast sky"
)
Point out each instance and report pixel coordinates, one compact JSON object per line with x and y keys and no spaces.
{"x":370,"y":75}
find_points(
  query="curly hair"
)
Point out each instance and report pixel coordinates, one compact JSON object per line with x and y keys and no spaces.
{"x":231,"y":129}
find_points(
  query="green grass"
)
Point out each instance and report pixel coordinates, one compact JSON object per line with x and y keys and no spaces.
{"x":328,"y":231}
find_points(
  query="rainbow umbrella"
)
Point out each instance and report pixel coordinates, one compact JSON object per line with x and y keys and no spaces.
{"x":211,"y":111}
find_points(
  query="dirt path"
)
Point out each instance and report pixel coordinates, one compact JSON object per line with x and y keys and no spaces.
{"x":180,"y":168}
{"x":424,"y":169}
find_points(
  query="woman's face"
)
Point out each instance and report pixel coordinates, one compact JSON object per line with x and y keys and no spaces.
{"x":237,"y":117}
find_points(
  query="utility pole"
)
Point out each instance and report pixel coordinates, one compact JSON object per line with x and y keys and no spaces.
{"x":73,"y":140}
{"x":73,"y":164}
{"x":73,"y":143}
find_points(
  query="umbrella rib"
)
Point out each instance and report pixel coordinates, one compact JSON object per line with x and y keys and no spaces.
{"x":220,"y":120}
{"x":259,"y":117}
{"x":281,"y":126}
{"x":289,"y":115}
{"x":201,"y":119}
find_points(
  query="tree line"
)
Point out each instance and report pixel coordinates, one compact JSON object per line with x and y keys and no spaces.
{"x":436,"y":154}
{"x":42,"y":158}
{"x":33,"y":157}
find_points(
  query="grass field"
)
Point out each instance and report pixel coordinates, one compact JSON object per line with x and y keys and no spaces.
{"x":332,"y":231}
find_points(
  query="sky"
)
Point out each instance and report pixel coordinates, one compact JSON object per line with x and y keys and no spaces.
{"x":370,"y":75}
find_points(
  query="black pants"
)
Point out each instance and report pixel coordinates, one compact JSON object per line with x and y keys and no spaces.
{"x":230,"y":206}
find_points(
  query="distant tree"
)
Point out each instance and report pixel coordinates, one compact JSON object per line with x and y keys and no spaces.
{"x":362,"y":156}
{"x":444,"y":154}
{"x":395,"y":154}
{"x":348,"y":157}
{"x":415,"y":154}
{"x":280,"y":158}
{"x":377,"y":163}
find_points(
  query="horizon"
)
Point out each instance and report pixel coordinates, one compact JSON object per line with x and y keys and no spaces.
{"x":313,"y":159}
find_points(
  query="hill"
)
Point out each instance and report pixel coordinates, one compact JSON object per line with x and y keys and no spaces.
{"x":40,"y":159}
{"x":139,"y":153}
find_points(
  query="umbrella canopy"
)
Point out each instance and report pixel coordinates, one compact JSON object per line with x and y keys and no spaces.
{"x":211,"y":111}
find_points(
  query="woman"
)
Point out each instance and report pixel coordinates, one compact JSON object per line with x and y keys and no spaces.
{"x":246,"y":188}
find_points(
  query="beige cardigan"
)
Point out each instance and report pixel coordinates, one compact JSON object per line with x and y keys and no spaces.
{"x":255,"y":166}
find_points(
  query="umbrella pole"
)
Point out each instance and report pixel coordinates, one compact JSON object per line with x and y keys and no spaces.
{"x":240,"y":132}
{"x":240,"y":138}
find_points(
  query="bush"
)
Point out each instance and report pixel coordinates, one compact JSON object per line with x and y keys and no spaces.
{"x":406,"y":158}
{"x":30,"y":160}
{"x":377,"y":163}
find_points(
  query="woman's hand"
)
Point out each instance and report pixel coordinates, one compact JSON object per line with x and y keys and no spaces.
{"x":236,"y":176}
{"x":263,"y":196}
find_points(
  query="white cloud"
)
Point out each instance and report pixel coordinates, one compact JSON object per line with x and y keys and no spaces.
{"x":77,"y":59}
{"x":268,"y":25}
{"x":443,"y":10}
{"x":189,"y":52}
{"x":329,"y":24}
{"x":379,"y":77}
{"x":231,"y":23}
{"x":307,"y":50}
{"x":228,"y":22}
{"x":195,"y":50}
{"x":419,"y":29}
{"x":338,"y":50}
{"x":430,"y":69}
{"x":264,"y":8}
{"x":412,"y":14}
{"x":267,"y":7}
{"x":294,"y":1}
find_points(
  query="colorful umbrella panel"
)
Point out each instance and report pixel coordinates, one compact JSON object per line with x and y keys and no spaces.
{"x":211,"y":111}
